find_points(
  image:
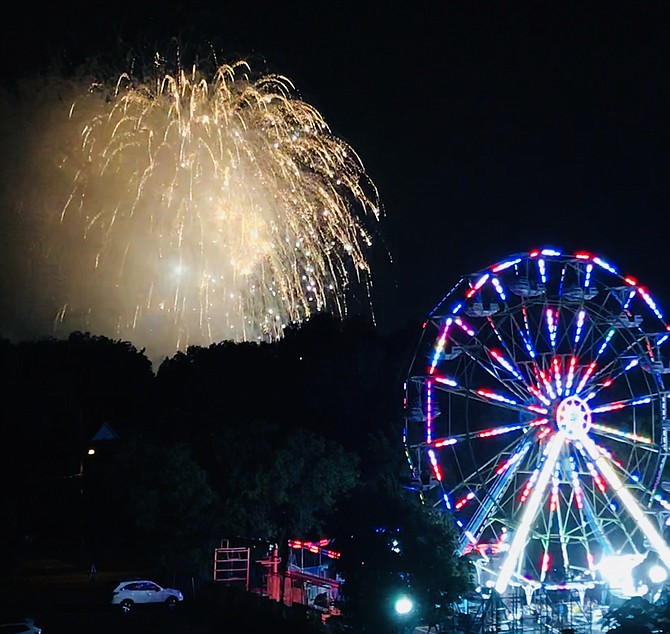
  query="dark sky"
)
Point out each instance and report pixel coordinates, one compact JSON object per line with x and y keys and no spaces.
{"x":488,"y":127}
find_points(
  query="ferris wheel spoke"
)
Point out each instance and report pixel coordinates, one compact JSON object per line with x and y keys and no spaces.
{"x":628,"y":351}
{"x":586,"y":518}
{"x":504,"y":477}
{"x":494,"y":364}
{"x":489,"y":432}
{"x":486,"y":472}
{"x":634,"y":464}
{"x":598,"y":531}
{"x":516,"y":350}
{"x":604,"y":376}
{"x":489,"y":470}
{"x":488,"y":358}
{"x":572,"y":529}
{"x":577,"y":331}
{"x":557,"y":517}
{"x":487,"y":396}
{"x":599,"y":375}
{"x":615,"y":405}
{"x":621,"y":435}
{"x":598,"y":505}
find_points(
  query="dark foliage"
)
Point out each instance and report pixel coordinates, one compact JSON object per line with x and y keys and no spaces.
{"x":301,"y":438}
{"x":390,"y":546}
{"x":235,"y":611}
{"x":277,"y":431}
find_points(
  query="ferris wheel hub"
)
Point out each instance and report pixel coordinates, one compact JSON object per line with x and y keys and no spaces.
{"x":573,"y":416}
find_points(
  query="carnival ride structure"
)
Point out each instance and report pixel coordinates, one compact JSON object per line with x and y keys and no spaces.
{"x":537,"y":416}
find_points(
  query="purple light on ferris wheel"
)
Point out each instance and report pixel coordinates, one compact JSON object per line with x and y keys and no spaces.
{"x":551,"y":326}
{"x":580,"y":325}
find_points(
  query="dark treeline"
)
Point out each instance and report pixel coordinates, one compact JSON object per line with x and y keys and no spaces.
{"x":246,"y":440}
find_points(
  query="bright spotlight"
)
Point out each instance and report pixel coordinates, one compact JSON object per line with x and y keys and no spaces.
{"x":658,"y":574}
{"x":403,"y":605}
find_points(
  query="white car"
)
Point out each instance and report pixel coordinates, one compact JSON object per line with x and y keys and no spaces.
{"x":128,"y":594}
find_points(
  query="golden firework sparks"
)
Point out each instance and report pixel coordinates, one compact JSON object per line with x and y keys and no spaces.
{"x":202,"y":209}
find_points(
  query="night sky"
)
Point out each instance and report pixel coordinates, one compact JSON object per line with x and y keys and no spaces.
{"x":489,"y":128}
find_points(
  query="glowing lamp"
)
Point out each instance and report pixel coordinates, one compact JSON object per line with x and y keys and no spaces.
{"x":658,"y":574}
{"x":403,"y":605}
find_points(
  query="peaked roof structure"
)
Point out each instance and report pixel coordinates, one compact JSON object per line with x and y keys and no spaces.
{"x":105,"y":433}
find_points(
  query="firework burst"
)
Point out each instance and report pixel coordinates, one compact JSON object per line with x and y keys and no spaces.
{"x":193,"y":209}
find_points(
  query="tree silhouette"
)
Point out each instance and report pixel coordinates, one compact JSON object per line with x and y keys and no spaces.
{"x":392,"y":545}
{"x":170,"y":502}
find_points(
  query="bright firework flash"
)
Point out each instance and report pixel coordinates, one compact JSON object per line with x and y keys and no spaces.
{"x":186,"y":209}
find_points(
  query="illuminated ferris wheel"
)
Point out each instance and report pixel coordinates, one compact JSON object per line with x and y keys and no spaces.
{"x":537,"y":415}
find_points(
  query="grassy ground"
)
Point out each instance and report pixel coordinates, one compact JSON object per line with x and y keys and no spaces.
{"x":66,"y":599}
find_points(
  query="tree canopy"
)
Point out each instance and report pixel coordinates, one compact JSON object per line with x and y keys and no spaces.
{"x":390,"y":546}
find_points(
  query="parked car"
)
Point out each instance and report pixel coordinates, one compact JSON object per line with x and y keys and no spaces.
{"x":20,"y":626}
{"x":129,"y":594}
